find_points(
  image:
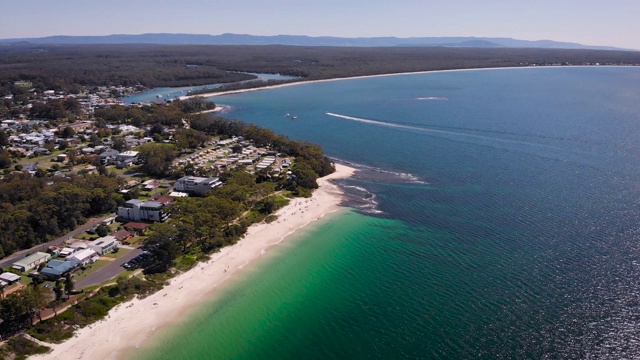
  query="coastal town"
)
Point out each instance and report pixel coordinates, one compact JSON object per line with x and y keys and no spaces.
{"x":55,"y":138}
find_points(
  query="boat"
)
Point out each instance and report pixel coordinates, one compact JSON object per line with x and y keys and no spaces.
{"x":287,"y":115}
{"x":294,"y":117}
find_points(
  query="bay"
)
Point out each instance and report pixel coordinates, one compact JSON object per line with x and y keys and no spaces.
{"x":495,"y":216}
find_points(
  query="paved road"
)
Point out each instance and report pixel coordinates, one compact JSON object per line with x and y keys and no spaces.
{"x":8,"y":261}
{"x":108,"y":272}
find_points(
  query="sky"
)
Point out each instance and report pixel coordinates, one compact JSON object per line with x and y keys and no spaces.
{"x":590,"y":22}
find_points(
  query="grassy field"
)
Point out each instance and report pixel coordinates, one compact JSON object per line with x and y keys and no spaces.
{"x":116,"y":255}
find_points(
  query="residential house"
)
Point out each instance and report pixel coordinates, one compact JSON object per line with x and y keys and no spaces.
{"x":31,"y":261}
{"x":56,"y":269}
{"x":84,"y":257}
{"x":126,"y":159}
{"x":109,"y":157}
{"x":67,"y":251}
{"x":137,"y":227}
{"x":104,"y":245}
{"x":150,"y":185}
{"x":9,"y":278}
{"x":197,"y":185}
{"x":139,"y":210}
{"x":122,"y":235}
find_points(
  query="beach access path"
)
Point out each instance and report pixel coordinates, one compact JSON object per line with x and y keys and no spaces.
{"x":135,"y":323}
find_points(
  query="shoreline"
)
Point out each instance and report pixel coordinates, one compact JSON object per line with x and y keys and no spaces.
{"x":270,"y":87}
{"x":131,"y":324}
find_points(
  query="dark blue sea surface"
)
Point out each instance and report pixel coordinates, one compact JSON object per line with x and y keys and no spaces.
{"x":496,"y":217}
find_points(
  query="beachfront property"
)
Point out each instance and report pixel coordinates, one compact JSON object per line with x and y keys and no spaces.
{"x":55,"y":269}
{"x":104,"y":245}
{"x":83,"y":257}
{"x":197,"y":185}
{"x":31,"y":261}
{"x":139,"y":210}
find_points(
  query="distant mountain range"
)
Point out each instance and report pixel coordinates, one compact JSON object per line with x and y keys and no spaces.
{"x":301,"y":40}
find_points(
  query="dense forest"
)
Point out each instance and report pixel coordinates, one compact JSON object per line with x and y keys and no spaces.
{"x":34,"y":208}
{"x":64,"y":67}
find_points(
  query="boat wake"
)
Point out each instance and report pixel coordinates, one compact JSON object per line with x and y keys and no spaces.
{"x":447,"y":134}
{"x":433,"y":98}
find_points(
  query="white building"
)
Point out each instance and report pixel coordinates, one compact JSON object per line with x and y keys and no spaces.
{"x":66,"y":252}
{"x":197,"y":185}
{"x":138,"y":210}
{"x":126,"y":158}
{"x":104,"y":245}
{"x":31,"y":261}
{"x":9,"y":278}
{"x":84,"y":257}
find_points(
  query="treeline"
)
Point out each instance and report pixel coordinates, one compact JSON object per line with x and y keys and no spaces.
{"x":63,"y":67}
{"x":165,"y":114}
{"x":68,"y":68}
{"x":34,"y":209}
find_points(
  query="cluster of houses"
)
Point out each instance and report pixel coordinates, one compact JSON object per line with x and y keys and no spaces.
{"x":221,"y":157}
{"x":28,"y":138}
{"x":67,"y":259}
{"x":89,"y":100}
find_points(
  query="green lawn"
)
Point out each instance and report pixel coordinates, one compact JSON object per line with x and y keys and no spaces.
{"x":122,"y":252}
{"x":136,"y":240}
{"x":86,"y":236}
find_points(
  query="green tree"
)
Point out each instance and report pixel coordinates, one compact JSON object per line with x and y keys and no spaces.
{"x":102,"y":230}
{"x":58,"y":290}
{"x":68,"y":132}
{"x":119,"y":144}
{"x":4,"y":138}
{"x":69,"y":284}
{"x":5,"y":159}
{"x":95,"y":140}
{"x":157,"y":157}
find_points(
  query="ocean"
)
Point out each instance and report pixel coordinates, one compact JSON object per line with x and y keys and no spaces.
{"x":494,"y":216}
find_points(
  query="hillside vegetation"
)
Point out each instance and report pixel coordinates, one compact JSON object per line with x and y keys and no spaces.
{"x":58,"y":67}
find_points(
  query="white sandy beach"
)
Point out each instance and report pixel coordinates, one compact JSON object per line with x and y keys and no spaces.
{"x":130,"y":324}
{"x":239,"y":91}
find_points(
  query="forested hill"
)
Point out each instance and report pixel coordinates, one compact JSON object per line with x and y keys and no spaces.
{"x":60,"y":66}
{"x":301,"y":40}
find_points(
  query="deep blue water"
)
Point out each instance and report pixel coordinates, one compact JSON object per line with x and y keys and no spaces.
{"x":498,"y":217}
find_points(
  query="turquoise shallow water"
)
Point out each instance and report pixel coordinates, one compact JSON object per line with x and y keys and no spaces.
{"x":496,"y":217}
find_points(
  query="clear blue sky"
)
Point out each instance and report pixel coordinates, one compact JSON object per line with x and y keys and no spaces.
{"x":612,"y":22}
